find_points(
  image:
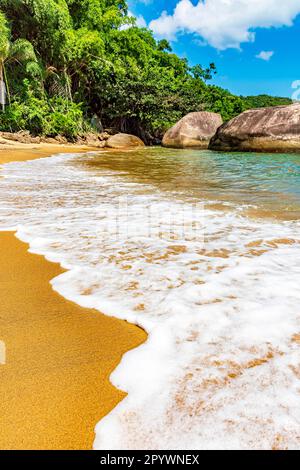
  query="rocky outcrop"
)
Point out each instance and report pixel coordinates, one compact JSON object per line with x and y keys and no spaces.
{"x":120,"y":141}
{"x":275,"y":129}
{"x":90,"y":139}
{"x":24,"y":137}
{"x":193,"y":131}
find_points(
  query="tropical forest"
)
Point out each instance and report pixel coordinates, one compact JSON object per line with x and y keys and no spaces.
{"x":68,"y":66}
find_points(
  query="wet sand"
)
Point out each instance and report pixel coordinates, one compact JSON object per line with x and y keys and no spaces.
{"x":19,"y":152}
{"x":55,"y":386}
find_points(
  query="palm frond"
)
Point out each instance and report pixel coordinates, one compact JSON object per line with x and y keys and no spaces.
{"x":22,"y":50}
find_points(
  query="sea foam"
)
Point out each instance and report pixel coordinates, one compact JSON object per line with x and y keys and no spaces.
{"x":220,"y":301}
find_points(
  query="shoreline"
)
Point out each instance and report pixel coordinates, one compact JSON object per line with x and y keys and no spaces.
{"x":16,"y":152}
{"x":55,"y":384}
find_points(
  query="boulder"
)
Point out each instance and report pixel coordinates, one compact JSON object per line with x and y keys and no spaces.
{"x":193,"y":131}
{"x":275,"y":129}
{"x":120,"y":141}
{"x":61,"y":139}
{"x":23,"y":137}
{"x":91,"y":139}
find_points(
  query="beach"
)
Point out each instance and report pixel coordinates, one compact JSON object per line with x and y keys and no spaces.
{"x":216,"y":291}
{"x":55,"y":384}
{"x":11,"y":151}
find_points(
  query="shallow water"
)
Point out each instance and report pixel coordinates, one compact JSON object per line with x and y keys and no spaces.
{"x":162,"y":239}
{"x":267,"y":182}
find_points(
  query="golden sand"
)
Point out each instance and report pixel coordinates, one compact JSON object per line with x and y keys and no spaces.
{"x":55,"y":386}
{"x":16,"y":152}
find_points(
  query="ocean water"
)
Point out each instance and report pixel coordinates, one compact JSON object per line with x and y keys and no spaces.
{"x":202,"y":250}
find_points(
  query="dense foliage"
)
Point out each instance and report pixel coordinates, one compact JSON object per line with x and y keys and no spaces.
{"x":62,"y":61}
{"x":262,"y":101}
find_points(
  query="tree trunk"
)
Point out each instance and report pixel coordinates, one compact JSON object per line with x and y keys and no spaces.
{"x":2,"y":88}
{"x":133,"y":126}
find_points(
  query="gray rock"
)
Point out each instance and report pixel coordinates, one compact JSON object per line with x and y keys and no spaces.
{"x":193,"y":131}
{"x":275,"y":129}
{"x":120,"y":141}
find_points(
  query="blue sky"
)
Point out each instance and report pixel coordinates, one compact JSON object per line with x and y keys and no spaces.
{"x":254,"y":43}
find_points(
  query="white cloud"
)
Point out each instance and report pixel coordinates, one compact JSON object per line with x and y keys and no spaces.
{"x":225,"y":23}
{"x":140,"y":21}
{"x":265,"y":55}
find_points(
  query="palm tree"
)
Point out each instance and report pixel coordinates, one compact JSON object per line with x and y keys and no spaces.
{"x":4,"y":52}
{"x":20,"y":51}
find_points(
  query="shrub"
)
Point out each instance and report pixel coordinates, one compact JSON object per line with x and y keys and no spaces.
{"x":66,"y":118}
{"x":42,"y":117}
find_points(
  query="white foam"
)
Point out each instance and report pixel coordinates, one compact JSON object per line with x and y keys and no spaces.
{"x":221,"y":367}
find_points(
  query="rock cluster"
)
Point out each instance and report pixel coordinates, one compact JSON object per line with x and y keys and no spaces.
{"x":91,"y":139}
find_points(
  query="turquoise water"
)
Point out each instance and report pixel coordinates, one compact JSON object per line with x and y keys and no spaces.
{"x":268,"y":183}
